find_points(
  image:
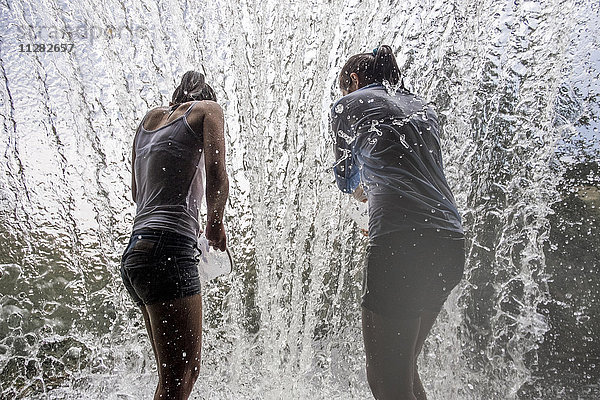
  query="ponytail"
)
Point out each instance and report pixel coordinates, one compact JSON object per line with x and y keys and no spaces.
{"x":378,"y":66}
{"x":385,"y":67}
{"x":193,"y":86}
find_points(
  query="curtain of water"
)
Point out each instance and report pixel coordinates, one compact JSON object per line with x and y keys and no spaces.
{"x":286,"y":323}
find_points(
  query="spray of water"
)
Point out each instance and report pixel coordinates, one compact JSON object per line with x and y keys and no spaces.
{"x":286,"y":323}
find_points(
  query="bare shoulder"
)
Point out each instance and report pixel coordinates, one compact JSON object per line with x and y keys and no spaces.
{"x":154,"y":116}
{"x":208,"y":108}
{"x":156,"y":111}
{"x":204,"y":111}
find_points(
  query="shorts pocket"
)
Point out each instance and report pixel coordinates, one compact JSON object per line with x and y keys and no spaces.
{"x":140,"y":252}
{"x":136,"y":260}
{"x":189,"y":277}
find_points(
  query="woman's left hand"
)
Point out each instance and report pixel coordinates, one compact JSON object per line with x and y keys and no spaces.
{"x":359,"y":194}
{"x":215,"y":234}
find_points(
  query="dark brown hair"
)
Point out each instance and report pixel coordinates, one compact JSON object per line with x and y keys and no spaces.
{"x":193,"y":86}
{"x":377,"y":66}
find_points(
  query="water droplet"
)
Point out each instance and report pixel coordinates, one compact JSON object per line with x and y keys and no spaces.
{"x":339,"y":108}
{"x":164,"y":169}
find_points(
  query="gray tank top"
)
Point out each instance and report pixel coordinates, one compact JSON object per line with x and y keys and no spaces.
{"x":169,"y":175}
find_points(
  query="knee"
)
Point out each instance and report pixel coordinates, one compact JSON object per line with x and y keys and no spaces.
{"x":179,"y":379}
{"x":376,"y":384}
{"x":193,"y":371}
{"x":187,"y":373}
{"x":384,"y":388}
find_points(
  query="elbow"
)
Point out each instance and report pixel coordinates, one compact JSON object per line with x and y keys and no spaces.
{"x":217,"y":179}
{"x":224,"y":185}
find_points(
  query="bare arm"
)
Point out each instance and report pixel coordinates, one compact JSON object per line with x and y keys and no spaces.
{"x":217,"y":182}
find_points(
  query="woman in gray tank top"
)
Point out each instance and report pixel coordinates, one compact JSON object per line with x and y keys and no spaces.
{"x":173,"y":149}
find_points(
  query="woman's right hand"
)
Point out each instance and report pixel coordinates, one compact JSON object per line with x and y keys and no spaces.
{"x":215,"y":234}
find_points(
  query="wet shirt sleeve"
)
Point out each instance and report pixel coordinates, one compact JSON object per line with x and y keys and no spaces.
{"x":345,"y":169}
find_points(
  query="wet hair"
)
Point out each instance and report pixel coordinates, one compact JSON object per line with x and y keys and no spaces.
{"x":193,"y":86}
{"x":377,"y":66}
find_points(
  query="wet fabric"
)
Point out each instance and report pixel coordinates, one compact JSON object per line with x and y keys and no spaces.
{"x":390,"y":144}
{"x":407,"y":274}
{"x":158,"y":266}
{"x":169,"y":168}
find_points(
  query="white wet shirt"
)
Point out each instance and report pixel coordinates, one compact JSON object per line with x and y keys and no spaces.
{"x":389,"y":143}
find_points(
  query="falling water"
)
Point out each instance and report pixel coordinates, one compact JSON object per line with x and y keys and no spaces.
{"x":286,"y":323}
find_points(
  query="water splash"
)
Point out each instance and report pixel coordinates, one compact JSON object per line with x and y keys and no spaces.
{"x":67,"y":328}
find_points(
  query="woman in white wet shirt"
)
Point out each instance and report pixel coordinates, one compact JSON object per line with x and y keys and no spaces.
{"x":387,"y":145}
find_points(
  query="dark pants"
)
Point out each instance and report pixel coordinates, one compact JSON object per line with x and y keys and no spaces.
{"x":411,"y":272}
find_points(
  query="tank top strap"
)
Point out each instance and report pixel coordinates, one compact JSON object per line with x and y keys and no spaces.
{"x":187,"y":112}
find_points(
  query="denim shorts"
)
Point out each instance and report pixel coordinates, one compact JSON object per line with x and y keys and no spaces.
{"x":410,"y":272}
{"x":159,"y":266}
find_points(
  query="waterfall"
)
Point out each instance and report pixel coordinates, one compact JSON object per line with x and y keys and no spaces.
{"x":286,"y":323}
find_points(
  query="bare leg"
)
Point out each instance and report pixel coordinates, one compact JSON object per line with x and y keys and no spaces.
{"x":390,"y":346}
{"x":427,"y":321}
{"x":176,"y":332}
{"x":149,"y":330}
